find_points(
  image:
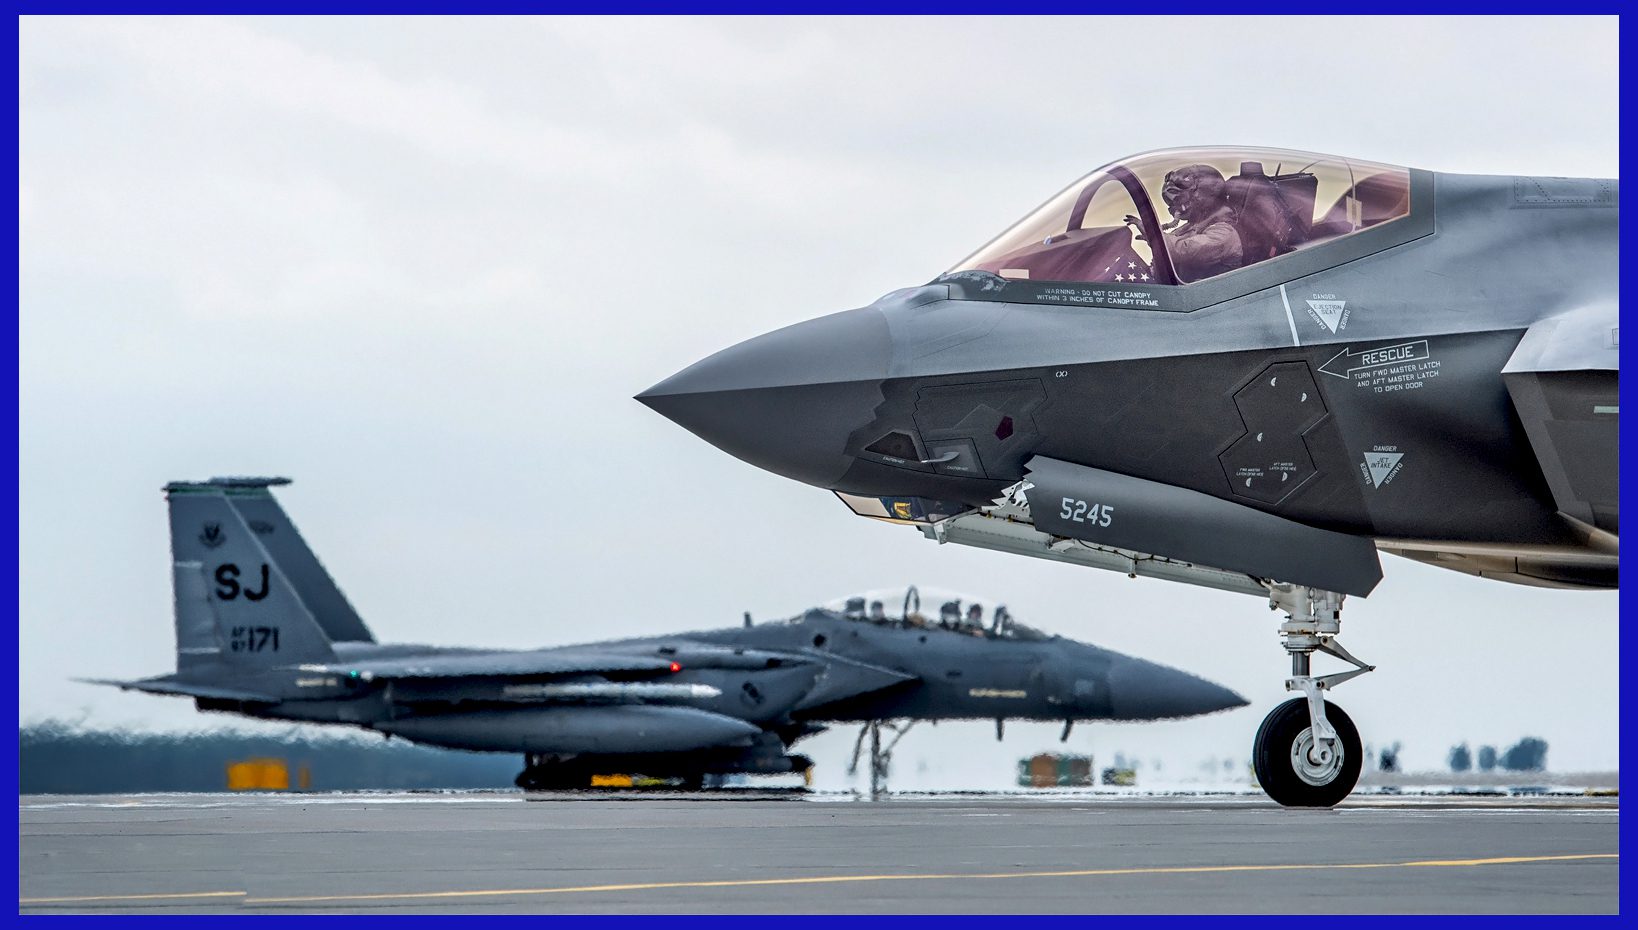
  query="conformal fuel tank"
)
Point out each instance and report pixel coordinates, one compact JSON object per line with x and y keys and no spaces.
{"x":631,"y":728}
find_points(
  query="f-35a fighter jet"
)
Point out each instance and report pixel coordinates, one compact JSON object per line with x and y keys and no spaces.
{"x":1241,"y":368}
{"x":263,"y":630}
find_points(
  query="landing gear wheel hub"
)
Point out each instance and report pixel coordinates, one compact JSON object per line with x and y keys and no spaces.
{"x":1316,"y":764}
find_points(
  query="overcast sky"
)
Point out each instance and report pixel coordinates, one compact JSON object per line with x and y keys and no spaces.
{"x":422,"y":265}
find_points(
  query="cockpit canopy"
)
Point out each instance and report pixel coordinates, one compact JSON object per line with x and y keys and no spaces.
{"x":934,"y":608}
{"x":1184,"y":215}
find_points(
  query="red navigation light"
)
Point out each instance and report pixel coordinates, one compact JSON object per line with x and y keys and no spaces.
{"x":675,"y":667}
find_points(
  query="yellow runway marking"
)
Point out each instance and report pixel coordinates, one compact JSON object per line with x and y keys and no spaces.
{"x":135,"y":897}
{"x":842,"y":879}
{"x":829,"y":880}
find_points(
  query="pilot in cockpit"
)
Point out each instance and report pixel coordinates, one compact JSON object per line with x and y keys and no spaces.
{"x":1208,"y":243}
{"x":974,"y":623}
{"x":877,"y":613}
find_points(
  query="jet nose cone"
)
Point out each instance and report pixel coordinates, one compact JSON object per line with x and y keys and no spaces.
{"x":1140,"y":690}
{"x":785,"y":401}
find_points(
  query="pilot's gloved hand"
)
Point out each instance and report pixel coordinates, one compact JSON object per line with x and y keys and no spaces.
{"x":1137,"y":227}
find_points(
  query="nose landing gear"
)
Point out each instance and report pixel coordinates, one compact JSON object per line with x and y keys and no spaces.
{"x":881,"y":757}
{"x":1307,"y":753}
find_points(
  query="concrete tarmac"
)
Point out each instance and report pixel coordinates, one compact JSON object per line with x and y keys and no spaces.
{"x":761,"y":852}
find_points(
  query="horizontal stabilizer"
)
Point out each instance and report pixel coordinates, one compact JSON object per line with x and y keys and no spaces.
{"x":179,"y":688}
{"x":1123,"y":512}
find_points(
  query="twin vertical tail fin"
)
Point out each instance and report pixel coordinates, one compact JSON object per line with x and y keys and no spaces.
{"x":255,"y":503}
{"x":249,"y":592}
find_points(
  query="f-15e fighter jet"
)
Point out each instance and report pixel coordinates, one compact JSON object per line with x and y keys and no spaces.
{"x":263,"y":630}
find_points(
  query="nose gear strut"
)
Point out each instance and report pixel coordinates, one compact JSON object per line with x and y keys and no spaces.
{"x":881,"y":757}
{"x":1314,"y":765}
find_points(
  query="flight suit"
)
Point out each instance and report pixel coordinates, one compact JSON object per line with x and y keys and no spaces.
{"x":1205,"y":247}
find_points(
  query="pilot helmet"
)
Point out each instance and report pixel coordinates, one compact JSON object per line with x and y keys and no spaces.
{"x":1194,"y":191}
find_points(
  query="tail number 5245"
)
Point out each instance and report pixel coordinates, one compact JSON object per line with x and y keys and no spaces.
{"x":1079,"y":511}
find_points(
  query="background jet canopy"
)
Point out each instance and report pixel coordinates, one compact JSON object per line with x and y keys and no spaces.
{"x":935,"y":608}
{"x":1212,"y":209}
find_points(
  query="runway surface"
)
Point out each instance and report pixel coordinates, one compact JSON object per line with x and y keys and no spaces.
{"x":772,"y":853}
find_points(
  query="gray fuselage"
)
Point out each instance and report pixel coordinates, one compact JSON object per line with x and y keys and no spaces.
{"x":1356,"y":386}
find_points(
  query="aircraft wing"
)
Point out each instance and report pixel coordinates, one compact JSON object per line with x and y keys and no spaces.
{"x":1564,"y":380}
{"x":1586,"y":339}
{"x":566,"y":661}
{"x":845,"y":678}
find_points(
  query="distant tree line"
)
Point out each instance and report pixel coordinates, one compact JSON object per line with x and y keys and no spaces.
{"x":1527,"y":755}
{"x":55,"y":758}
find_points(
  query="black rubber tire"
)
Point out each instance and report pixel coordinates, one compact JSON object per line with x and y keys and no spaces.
{"x":1271,"y":756}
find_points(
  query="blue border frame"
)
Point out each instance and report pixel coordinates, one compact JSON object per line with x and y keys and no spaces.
{"x":778,"y":8}
{"x":47,"y":7}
